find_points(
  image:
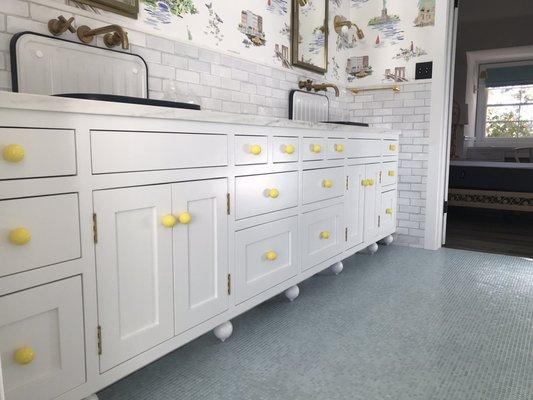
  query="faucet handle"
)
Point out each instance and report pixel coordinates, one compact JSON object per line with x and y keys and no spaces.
{"x":61,"y":25}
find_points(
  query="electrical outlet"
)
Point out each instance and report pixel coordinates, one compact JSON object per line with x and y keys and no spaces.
{"x":424,"y":70}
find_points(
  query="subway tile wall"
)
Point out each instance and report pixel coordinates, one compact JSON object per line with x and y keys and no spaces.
{"x":229,"y":84}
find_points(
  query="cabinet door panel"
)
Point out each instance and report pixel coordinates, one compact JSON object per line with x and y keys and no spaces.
{"x":372,"y":203}
{"x":354,"y":210}
{"x":200,"y":252}
{"x":134,"y":269}
{"x":388,"y":212}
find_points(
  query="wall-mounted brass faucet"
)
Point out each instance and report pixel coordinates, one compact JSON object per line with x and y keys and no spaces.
{"x":61,"y":25}
{"x":317,"y":87}
{"x":113,"y":35}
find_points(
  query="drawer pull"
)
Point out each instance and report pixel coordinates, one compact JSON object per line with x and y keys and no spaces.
{"x":271,"y":255}
{"x":316,"y":148}
{"x":13,"y":153}
{"x":19,"y":236}
{"x":388,"y":211}
{"x":392,"y":147}
{"x":168,"y":221}
{"x":288,"y":149}
{"x":24,"y":355}
{"x":272,"y":193}
{"x":255,"y":149}
{"x":392,"y":173}
{"x":339,"y":148}
{"x":325,"y":235}
{"x":364,"y":182}
{"x":184,"y":218}
{"x":327,"y":183}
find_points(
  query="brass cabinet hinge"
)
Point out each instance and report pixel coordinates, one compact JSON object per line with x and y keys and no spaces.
{"x":380,"y":175}
{"x":99,"y":339}
{"x":379,"y":221}
{"x":229,"y":284}
{"x":228,"y":204}
{"x":346,"y":234}
{"x":347,"y":180}
{"x":95,"y":229}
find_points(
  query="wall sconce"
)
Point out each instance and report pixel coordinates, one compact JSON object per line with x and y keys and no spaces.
{"x":302,"y":2}
{"x":342,"y":26}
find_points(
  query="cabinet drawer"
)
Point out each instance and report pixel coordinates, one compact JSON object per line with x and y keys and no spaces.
{"x":285,"y":149}
{"x":314,"y":149}
{"x":322,"y":184}
{"x":261,"y":194}
{"x":387,"y":213}
{"x":359,"y":148}
{"x":390,"y":147}
{"x":38,"y":231}
{"x":322,"y":236}
{"x":117,"y":151}
{"x":41,"y":340}
{"x":336,"y":148}
{"x":389,"y":173}
{"x":266,"y":255}
{"x":33,"y":153}
{"x":251,"y":150}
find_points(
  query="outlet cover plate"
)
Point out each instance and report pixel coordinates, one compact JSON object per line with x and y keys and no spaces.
{"x":424,"y":70}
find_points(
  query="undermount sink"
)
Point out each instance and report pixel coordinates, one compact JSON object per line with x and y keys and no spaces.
{"x":130,"y":100}
{"x":347,"y":123}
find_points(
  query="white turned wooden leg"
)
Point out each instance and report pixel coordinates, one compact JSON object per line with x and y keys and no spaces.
{"x":336,"y":268}
{"x":292,"y":293}
{"x":223,"y":331}
{"x":372,"y":248}
{"x":387,"y":240}
{"x":91,"y":397}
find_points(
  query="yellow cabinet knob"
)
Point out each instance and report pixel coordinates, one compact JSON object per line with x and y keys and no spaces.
{"x":316,"y":148}
{"x":327,"y":183}
{"x":392,"y":147}
{"x":339,"y":148}
{"x":168,"y":221}
{"x":288,"y":149}
{"x":273,"y":193}
{"x":271,"y":255}
{"x":388,"y":211}
{"x":184,"y":218}
{"x":325,"y":235}
{"x":371,"y":182}
{"x":392,"y":173}
{"x":13,"y":153}
{"x":255,"y":149}
{"x":364,"y":182}
{"x":24,"y":355}
{"x":19,"y":236}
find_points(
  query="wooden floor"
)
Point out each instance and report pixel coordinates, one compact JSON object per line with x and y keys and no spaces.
{"x":491,"y":231}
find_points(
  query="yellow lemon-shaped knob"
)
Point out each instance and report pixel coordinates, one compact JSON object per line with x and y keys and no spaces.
{"x":364,"y":182}
{"x":13,"y":153}
{"x":392,"y":147}
{"x":371,"y":182}
{"x":271,"y":255}
{"x":325,"y":235}
{"x":19,"y":236}
{"x":255,"y":149}
{"x":184,"y":218}
{"x":24,"y":355}
{"x":273,"y":193}
{"x":168,"y":221}
{"x":327,"y":183}
{"x":392,"y":173}
{"x":288,"y":149}
{"x":388,"y":211}
{"x":339,"y":147}
{"x":316,"y":148}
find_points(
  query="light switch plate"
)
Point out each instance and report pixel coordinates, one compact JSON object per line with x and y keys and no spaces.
{"x":424,"y":70}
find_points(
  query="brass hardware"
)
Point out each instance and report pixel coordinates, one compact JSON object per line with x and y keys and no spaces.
{"x":61,"y":25}
{"x":339,"y":22}
{"x":99,"y":339}
{"x":317,"y":87}
{"x":228,"y":203}
{"x":346,"y":234}
{"x":394,"y":88}
{"x":229,"y":284}
{"x":379,"y":221}
{"x":347,"y":180}
{"x":113,"y":35}
{"x":302,"y":2}
{"x":95,"y":229}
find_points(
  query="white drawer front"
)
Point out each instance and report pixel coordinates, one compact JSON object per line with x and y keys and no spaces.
{"x":322,"y":184}
{"x":314,"y":149}
{"x":41,"y":340}
{"x":390,"y":147}
{"x":336,"y":148}
{"x":33,"y":153}
{"x":389,"y":173}
{"x":359,"y":148}
{"x":285,"y":149}
{"x":251,"y":150}
{"x":116,"y":151}
{"x":261,"y":194}
{"x":38,"y":231}
{"x":322,"y":236}
{"x":266,"y":255}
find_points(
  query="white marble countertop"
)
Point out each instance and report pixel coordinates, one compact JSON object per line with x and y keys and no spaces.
{"x":23,"y":101}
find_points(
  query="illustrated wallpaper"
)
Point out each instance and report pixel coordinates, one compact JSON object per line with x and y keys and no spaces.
{"x":397,"y":33}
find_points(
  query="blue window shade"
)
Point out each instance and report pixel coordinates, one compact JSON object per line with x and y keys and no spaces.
{"x":509,"y":76}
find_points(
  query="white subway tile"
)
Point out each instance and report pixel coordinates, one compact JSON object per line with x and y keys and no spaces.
{"x":15,"y":7}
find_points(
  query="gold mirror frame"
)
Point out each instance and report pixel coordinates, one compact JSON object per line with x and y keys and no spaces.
{"x":295,"y":34}
{"x":128,"y":8}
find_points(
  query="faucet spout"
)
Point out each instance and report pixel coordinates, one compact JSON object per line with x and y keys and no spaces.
{"x":317,"y":87}
{"x":113,"y":35}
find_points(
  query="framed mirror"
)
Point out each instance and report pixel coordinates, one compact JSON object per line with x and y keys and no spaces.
{"x":309,"y":28}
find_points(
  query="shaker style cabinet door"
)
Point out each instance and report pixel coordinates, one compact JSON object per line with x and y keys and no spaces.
{"x":200,"y":243}
{"x":134,"y":270}
{"x":372,"y":189}
{"x":354,"y":211}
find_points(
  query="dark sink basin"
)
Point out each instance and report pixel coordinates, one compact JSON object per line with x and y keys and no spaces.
{"x":129,"y":100}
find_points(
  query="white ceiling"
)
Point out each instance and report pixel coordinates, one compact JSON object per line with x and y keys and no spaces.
{"x":484,"y":10}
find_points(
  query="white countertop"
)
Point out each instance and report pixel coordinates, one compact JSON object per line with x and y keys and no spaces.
{"x":23,"y":101}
